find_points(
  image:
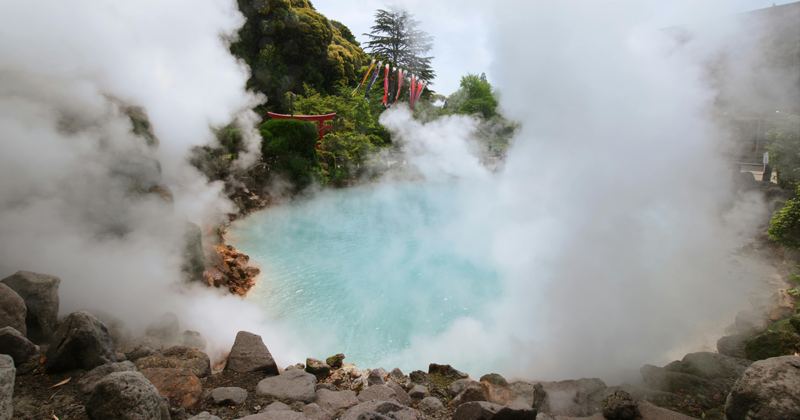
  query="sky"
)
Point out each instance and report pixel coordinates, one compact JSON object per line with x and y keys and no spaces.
{"x":461,"y":37}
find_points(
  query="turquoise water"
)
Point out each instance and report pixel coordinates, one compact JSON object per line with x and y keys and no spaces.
{"x":370,"y":267}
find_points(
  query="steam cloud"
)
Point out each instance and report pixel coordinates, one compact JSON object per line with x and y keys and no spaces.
{"x":610,"y":225}
{"x":73,"y":175}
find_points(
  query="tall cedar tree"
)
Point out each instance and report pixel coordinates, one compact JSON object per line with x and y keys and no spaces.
{"x":395,"y":37}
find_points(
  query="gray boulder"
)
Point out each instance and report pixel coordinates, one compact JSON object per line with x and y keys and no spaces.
{"x":522,"y":394}
{"x":768,"y":390}
{"x":473,"y":391}
{"x":194,"y":339}
{"x":205,"y":415}
{"x":40,"y":293}
{"x":481,"y":410}
{"x":732,"y":346}
{"x":430,"y":405}
{"x":376,"y":377}
{"x":397,"y":411}
{"x":568,"y":398}
{"x":317,"y":368}
{"x":456,"y":387}
{"x":661,"y":379}
{"x":380,"y":393}
{"x":88,"y":381}
{"x":276,"y":406}
{"x":14,"y":344}
{"x":326,"y":385}
{"x":126,"y":396}
{"x":118,"y":331}
{"x":315,"y":412}
{"x":710,"y":366}
{"x":620,"y":406}
{"x":373,"y":415}
{"x":12,"y":310}
{"x":294,"y":385}
{"x":397,"y":375}
{"x":421,"y":391}
{"x":418,"y":377}
{"x":249,"y":354}
{"x":333,"y":401}
{"x":81,"y":342}
{"x":8,"y":374}
{"x":402,"y":395}
{"x":141,"y":347}
{"x":276,"y":415}
{"x":165,"y":328}
{"x":228,"y":396}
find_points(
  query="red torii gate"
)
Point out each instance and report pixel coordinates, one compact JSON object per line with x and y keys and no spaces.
{"x":321,"y":127}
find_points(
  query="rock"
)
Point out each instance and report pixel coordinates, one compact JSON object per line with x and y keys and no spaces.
{"x":335,"y":362}
{"x":481,"y":410}
{"x":14,"y":344}
{"x":12,"y":310}
{"x":205,"y":415}
{"x":333,"y":401}
{"x":315,"y":412}
{"x":141,"y":347}
{"x":276,"y":415}
{"x":194,"y":339}
{"x":178,"y":357}
{"x":430,"y":405}
{"x":620,"y":406}
{"x":780,"y":306}
{"x":376,"y":377}
{"x":81,"y":342}
{"x":228,"y":395}
{"x":165,"y":328}
{"x":88,"y":381}
{"x":494,"y":379}
{"x":772,"y":344}
{"x":421,"y":391}
{"x":751,"y":322}
{"x":499,"y":394}
{"x":661,"y":379}
{"x":290,"y":385}
{"x":768,"y":390}
{"x":397,"y":375}
{"x":458,"y":386}
{"x":659,"y":398}
{"x":401,"y":393}
{"x":249,"y":354}
{"x":385,"y":408}
{"x":732,"y":346}
{"x":119,"y":333}
{"x":8,"y":374}
{"x":568,"y":398}
{"x":444,"y":375}
{"x":710,"y":366}
{"x":474,"y":391}
{"x":522,"y":394}
{"x":418,"y":377}
{"x":317,"y":368}
{"x":194,"y":261}
{"x":372,"y":415}
{"x":125,"y":396}
{"x":120,"y":356}
{"x":40,"y":293}
{"x":380,"y":393}
{"x":326,"y":385}
{"x":296,"y":366}
{"x":276,"y":406}
{"x":180,"y":386}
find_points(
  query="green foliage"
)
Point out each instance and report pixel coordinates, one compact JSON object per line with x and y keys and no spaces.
{"x":475,"y":97}
{"x":288,"y":44}
{"x":784,"y":152}
{"x":288,"y":147}
{"x":395,"y":37}
{"x":784,"y":228}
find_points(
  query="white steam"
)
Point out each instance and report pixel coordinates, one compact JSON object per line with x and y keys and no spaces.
{"x":612,"y":221}
{"x":73,"y":177}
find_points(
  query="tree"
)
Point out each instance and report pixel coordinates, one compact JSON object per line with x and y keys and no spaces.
{"x":396,"y":37}
{"x":475,"y":96}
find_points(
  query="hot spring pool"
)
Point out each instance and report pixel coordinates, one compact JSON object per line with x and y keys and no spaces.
{"x":367,"y":267}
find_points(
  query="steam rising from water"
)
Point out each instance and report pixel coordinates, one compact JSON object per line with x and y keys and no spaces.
{"x":609,"y":227}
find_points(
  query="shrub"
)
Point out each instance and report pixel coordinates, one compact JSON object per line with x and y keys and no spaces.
{"x":288,"y":147}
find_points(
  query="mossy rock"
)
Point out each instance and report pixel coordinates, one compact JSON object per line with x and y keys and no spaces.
{"x":783,"y":325}
{"x":494,"y":379}
{"x":772,"y":344}
{"x":336,"y":361}
{"x":443,"y":375}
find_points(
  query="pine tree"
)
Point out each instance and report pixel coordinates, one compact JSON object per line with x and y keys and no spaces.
{"x":396,"y":37}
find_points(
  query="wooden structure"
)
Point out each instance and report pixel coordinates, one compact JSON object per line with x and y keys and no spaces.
{"x":320,"y":120}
